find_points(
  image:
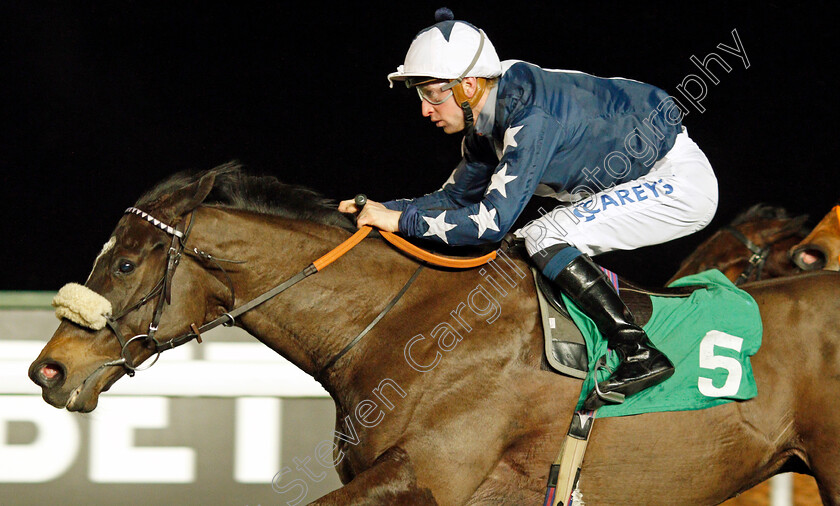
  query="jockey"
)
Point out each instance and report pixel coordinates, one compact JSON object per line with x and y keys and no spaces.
{"x":613,"y":152}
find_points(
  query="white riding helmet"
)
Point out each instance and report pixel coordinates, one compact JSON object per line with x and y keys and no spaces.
{"x":449,"y":50}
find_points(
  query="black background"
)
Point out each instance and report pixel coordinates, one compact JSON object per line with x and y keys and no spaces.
{"x":102,"y":100}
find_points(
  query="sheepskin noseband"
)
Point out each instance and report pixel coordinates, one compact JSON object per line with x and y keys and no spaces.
{"x":81,"y":305}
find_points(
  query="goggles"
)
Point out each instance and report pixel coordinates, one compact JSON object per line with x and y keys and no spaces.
{"x":435,"y":92}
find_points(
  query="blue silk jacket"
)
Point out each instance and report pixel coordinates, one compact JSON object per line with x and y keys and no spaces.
{"x":572,"y":132}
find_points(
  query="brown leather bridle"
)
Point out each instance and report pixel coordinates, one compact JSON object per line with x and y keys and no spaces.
{"x":756,"y":261}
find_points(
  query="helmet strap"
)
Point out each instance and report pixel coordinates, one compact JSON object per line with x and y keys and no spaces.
{"x":468,"y":103}
{"x":469,"y":120}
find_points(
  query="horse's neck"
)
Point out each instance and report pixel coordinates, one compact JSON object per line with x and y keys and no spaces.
{"x":705,"y":256}
{"x":314,"y":319}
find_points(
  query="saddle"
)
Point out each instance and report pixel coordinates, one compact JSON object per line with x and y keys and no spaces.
{"x":565,"y":348}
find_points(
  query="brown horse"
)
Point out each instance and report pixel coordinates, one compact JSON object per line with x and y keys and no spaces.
{"x":444,"y":401}
{"x":821,"y":249}
{"x":752,"y":247}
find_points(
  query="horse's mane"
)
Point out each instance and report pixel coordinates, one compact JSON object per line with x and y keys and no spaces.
{"x":761,"y":212}
{"x":235,"y":188}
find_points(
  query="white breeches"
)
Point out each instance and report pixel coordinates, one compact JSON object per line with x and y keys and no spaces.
{"x":676,"y":198}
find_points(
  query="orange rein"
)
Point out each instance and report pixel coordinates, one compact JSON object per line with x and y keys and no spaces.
{"x":403,"y":245}
{"x":342,"y":248}
{"x":435,"y":259}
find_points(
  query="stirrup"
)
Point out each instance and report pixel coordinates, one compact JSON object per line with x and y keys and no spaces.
{"x":609,"y":397}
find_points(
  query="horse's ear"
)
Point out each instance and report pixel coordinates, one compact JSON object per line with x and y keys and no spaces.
{"x":191,"y":196}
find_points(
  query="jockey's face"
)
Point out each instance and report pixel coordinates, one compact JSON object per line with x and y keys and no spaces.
{"x":447,"y":115}
{"x":443,"y":109}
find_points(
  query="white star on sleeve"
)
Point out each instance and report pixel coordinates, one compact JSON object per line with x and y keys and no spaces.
{"x":438,"y":226}
{"x":510,"y":138}
{"x":499,"y":180}
{"x":485,"y":219}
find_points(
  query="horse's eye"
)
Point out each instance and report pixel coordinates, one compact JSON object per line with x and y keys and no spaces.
{"x":125,"y":266}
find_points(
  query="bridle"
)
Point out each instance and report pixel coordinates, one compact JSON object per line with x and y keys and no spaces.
{"x":758,"y":258}
{"x":756,"y":261}
{"x":162,"y":290}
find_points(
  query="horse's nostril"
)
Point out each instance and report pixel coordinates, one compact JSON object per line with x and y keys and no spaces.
{"x":49,"y":374}
{"x":810,"y":259}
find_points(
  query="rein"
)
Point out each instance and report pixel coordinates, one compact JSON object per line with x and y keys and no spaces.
{"x":433,"y":258}
{"x":176,"y":250}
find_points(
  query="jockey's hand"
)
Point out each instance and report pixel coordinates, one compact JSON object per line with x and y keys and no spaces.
{"x":348,"y":206}
{"x":373,"y":214}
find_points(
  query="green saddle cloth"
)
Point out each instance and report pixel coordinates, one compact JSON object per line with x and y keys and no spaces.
{"x":709,"y":336}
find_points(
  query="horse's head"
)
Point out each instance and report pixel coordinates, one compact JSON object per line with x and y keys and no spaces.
{"x":821,"y":248}
{"x":764,"y":241}
{"x":109,"y":325}
{"x":753,"y":246}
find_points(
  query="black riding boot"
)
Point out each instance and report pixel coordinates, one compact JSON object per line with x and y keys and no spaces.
{"x":641,"y":365}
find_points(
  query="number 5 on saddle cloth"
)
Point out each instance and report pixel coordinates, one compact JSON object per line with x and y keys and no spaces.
{"x":705,"y":324}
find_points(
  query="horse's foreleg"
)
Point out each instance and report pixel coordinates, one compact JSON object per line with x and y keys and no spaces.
{"x":824,"y":459}
{"x":390,"y":480}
